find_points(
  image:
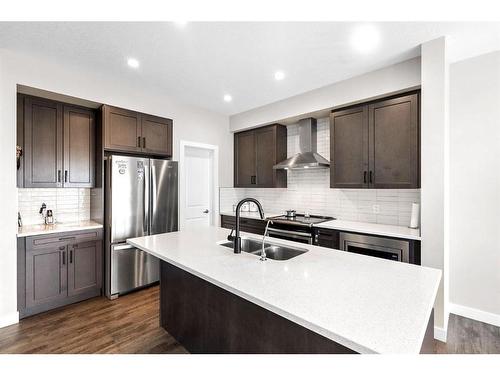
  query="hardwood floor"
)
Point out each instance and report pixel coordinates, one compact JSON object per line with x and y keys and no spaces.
{"x":130,"y":324}
{"x":467,"y":336}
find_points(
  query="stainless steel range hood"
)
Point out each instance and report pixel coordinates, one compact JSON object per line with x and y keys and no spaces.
{"x":307,"y":157}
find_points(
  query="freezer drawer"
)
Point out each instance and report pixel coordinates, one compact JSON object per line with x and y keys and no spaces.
{"x":132,"y":268}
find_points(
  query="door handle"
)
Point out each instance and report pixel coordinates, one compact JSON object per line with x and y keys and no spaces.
{"x":64,"y":258}
{"x":58,"y":175}
{"x":206,"y":212}
{"x":364,"y":177}
{"x":143,"y":142}
{"x":71,"y":256}
{"x":66,"y":176}
{"x":138,"y":141}
{"x":253,"y":180}
{"x":371,"y":177}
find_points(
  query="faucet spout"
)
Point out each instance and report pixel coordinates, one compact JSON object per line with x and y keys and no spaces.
{"x":237,"y":238}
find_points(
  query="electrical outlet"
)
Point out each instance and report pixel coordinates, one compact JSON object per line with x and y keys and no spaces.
{"x":376,"y":208}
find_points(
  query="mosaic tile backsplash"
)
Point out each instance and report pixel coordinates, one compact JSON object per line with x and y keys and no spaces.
{"x":68,"y":204}
{"x":309,"y":192}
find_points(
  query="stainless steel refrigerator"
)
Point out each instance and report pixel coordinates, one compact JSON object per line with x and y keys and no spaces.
{"x":141,"y":199}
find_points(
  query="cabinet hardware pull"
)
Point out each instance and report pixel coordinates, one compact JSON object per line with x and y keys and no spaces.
{"x":364,"y":177}
{"x":64,"y":257}
{"x":66,"y":176}
{"x":58,"y":175}
{"x":66,"y":238}
{"x":143,"y":142}
{"x":138,"y":141}
{"x":371,"y":177}
{"x":71,"y":256}
{"x":62,"y":247}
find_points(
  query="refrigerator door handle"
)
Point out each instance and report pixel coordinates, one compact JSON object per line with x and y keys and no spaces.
{"x":153,"y":195}
{"x":146,"y":205}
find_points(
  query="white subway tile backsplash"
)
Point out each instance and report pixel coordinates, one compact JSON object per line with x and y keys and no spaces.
{"x":309,"y":192}
{"x":68,"y":204}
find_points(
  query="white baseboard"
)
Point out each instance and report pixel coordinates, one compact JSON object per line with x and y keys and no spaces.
{"x":471,"y":313}
{"x":440,"y":333}
{"x":9,"y":319}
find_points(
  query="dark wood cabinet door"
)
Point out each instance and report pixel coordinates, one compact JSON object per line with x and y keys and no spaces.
{"x":122,"y":130}
{"x":156,"y":135}
{"x":79,"y":143}
{"x":20,"y":139}
{"x":46,"y":275}
{"x":84,"y":267}
{"x":43,"y":143}
{"x":244,"y":164}
{"x":349,"y":148}
{"x":394,"y":143}
{"x":265,"y":156}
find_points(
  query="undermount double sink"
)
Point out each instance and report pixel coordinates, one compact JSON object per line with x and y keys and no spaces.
{"x":273,"y":251}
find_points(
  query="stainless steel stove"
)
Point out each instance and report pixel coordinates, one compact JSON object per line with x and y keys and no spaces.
{"x":295,"y":227}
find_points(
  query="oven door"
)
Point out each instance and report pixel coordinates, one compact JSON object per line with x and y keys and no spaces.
{"x":302,"y":237}
{"x":375,"y":246}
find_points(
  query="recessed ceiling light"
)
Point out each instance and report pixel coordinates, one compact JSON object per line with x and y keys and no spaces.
{"x":365,"y":38}
{"x":228,"y":98}
{"x":279,"y":75}
{"x":133,"y":63}
{"x":180,"y":23}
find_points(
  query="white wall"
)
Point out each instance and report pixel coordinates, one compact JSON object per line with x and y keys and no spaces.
{"x":475,"y":188}
{"x":190,"y":123}
{"x":434,"y":160}
{"x":380,"y":82}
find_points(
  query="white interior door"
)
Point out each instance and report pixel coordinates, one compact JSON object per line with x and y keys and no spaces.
{"x":198,"y":172}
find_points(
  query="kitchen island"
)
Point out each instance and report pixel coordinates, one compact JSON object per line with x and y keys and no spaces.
{"x":322,"y":301}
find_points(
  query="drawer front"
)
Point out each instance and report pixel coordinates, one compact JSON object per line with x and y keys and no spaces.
{"x":326,"y":238}
{"x":62,"y":239}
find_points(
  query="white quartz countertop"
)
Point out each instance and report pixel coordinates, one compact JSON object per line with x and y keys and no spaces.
{"x":371,"y":228}
{"x":37,"y":229}
{"x":367,"y":304}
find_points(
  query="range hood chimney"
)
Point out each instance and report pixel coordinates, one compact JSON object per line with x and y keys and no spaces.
{"x":307,"y":157}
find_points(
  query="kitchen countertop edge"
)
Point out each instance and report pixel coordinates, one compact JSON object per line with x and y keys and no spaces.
{"x":40,"y":229}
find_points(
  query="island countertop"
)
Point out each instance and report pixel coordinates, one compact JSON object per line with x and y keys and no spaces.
{"x":367,"y":304}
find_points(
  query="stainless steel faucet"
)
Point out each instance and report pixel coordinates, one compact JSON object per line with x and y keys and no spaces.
{"x":237,"y":239}
{"x":263,"y":251}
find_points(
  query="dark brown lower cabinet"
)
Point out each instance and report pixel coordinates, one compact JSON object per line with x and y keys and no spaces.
{"x":84,"y":267}
{"x":205,"y":318}
{"x":246,"y":225}
{"x":56,"y":270}
{"x":46,"y":276}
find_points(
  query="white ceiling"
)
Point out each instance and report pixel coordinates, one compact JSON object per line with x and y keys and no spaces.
{"x":200,"y":62}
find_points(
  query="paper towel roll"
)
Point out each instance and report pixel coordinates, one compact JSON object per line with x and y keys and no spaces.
{"x":415,"y":215}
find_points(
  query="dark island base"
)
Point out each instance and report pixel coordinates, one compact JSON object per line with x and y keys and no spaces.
{"x":205,"y":318}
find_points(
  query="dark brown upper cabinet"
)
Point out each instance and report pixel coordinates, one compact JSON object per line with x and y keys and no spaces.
{"x":133,"y":132}
{"x":79,"y":147}
{"x":376,"y":145}
{"x":156,"y":135}
{"x":122,"y":130}
{"x":43,"y":143}
{"x":349,"y":148}
{"x":256,"y":151}
{"x":58,"y":143}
